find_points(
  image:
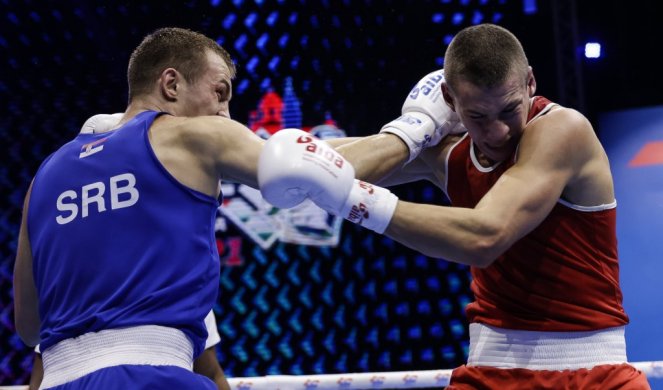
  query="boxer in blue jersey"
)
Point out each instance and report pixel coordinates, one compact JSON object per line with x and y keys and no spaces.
{"x":206,"y":363}
{"x":117,"y":263}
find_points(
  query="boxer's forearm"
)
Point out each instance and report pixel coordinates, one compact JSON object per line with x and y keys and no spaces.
{"x":375,"y":157}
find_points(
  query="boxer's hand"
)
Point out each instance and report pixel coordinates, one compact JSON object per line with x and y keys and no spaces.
{"x":425,"y":118}
{"x":101,"y":123}
{"x":294,"y":166}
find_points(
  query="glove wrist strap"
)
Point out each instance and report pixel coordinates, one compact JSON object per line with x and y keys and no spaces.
{"x":414,"y":128}
{"x":370,"y":206}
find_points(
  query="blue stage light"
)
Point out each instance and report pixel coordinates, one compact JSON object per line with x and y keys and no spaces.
{"x":592,"y":50}
{"x":529,"y":7}
{"x":272,"y":18}
{"x":251,"y":20}
{"x":262,"y":41}
{"x":477,"y":17}
{"x":458,"y":18}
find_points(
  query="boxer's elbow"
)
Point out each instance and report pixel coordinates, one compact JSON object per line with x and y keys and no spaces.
{"x":482,"y":256}
{"x":486,"y":245}
{"x":474,"y":250}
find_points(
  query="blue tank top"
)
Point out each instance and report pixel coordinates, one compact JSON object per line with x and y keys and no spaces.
{"x":117,"y":241}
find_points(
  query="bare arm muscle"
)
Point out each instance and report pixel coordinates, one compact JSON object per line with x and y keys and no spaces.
{"x":549,"y":157}
{"x":26,"y":303}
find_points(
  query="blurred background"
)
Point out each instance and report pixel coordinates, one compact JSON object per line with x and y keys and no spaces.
{"x":301,"y":293}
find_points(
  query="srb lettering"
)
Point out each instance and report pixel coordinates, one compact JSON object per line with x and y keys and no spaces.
{"x":123,"y":193}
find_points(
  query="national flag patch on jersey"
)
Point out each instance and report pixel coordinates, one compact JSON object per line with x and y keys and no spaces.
{"x":92,"y":148}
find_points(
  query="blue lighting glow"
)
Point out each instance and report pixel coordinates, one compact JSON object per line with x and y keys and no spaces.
{"x":240,"y":43}
{"x":457,"y":18}
{"x":272,"y":18}
{"x":250,"y":20}
{"x":292,"y":19}
{"x":262,"y":41}
{"x":592,"y":50}
{"x":477,"y":17}
{"x":438,"y":18}
{"x":529,"y":7}
{"x":251,"y":65}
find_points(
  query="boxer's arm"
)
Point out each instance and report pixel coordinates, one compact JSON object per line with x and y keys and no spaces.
{"x":37,"y":374}
{"x":378,"y":158}
{"x":237,"y":151}
{"x":26,"y":303}
{"x":548,"y":160}
{"x":337,"y":142}
{"x":413,"y":171}
{"x":199,"y":151}
{"x":519,"y":201}
{"x":383,"y":164}
{"x":208,"y":365}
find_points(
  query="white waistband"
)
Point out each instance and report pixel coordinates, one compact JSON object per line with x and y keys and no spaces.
{"x":152,"y":345}
{"x":505,"y":348}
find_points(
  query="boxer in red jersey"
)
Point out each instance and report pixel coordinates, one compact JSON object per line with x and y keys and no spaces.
{"x":533,"y":213}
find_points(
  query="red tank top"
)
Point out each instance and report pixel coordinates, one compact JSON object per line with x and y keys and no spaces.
{"x":562,"y":276}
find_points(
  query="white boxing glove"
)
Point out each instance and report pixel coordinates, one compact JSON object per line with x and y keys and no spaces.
{"x":294,"y":166}
{"x":426,"y":118}
{"x":101,"y":123}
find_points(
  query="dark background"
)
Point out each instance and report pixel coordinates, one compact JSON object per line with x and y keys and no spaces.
{"x":62,"y":61}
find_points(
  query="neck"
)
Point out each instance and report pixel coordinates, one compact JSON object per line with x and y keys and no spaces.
{"x":484,"y":160}
{"x":139,"y":105}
